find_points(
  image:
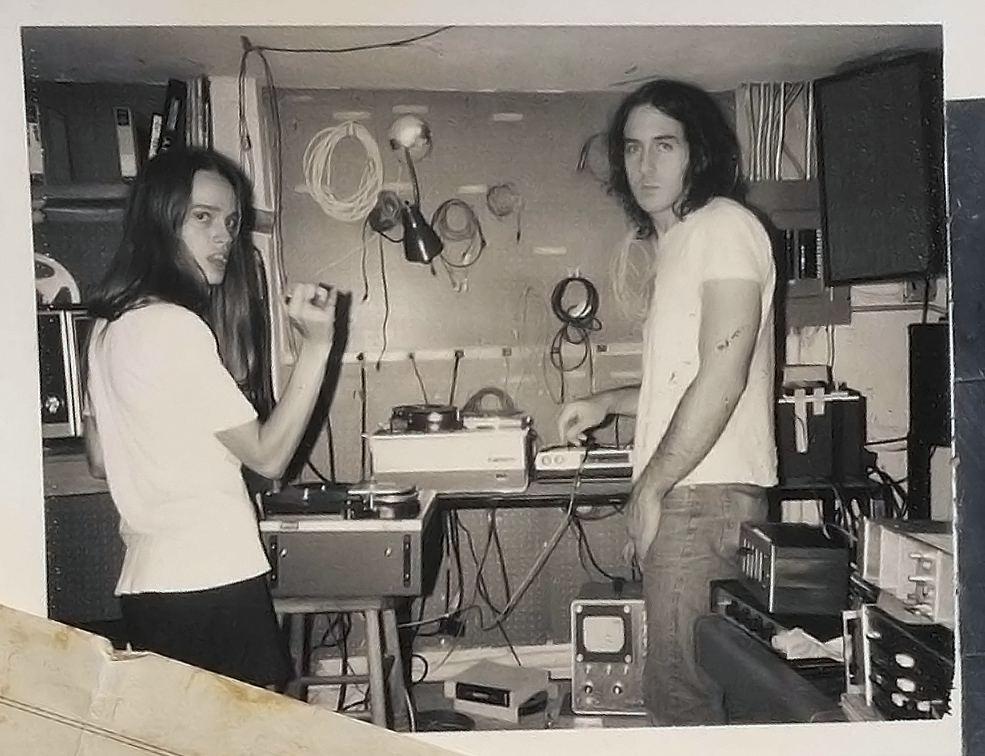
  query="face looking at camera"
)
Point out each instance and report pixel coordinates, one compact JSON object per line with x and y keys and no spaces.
{"x":656,"y":155}
{"x":210,"y":224}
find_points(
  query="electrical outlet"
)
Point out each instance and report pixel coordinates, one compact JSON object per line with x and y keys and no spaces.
{"x":915,"y":291}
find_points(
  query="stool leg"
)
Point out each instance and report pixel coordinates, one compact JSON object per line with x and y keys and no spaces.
{"x":297,"y":629}
{"x":374,"y":653}
{"x":396,"y":684}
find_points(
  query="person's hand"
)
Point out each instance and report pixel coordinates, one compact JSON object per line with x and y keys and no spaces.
{"x":311,"y":309}
{"x":579,"y":416}
{"x":642,"y":523}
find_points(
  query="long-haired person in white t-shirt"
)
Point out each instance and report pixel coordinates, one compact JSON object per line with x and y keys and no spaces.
{"x":704,"y":441}
{"x":174,"y":413}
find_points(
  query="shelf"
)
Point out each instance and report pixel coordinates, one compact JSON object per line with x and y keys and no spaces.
{"x":79,"y":202}
{"x":72,"y":193}
{"x":790,"y":204}
{"x":79,"y":214}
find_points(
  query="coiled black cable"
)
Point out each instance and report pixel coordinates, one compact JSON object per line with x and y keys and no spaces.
{"x":471,"y":232}
{"x":577,"y":321}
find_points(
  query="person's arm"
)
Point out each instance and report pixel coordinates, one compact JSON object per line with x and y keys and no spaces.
{"x":268,"y":447}
{"x":730,"y":322}
{"x":581,"y":415}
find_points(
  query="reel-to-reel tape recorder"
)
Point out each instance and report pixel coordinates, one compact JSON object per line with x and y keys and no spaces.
{"x":439,"y":448}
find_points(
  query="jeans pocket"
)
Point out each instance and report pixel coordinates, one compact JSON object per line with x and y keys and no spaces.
{"x":739,"y":504}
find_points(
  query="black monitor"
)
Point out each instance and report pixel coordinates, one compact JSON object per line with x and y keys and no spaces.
{"x":880,"y":132}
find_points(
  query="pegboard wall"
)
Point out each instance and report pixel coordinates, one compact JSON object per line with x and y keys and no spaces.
{"x":501,"y":320}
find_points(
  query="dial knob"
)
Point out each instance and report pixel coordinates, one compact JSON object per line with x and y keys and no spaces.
{"x":588,"y":688}
{"x":905,"y":660}
{"x":906,"y":685}
{"x":617,"y":689}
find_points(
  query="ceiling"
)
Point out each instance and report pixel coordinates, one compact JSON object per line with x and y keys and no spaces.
{"x":469,"y":58}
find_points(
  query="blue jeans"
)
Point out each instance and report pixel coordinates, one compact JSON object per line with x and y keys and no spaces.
{"x":697,"y":541}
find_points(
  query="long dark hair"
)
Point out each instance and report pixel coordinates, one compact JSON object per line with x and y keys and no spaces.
{"x":714,"y":167}
{"x":150,"y":266}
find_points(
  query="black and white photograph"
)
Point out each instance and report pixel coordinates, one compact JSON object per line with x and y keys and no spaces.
{"x":395,"y":394}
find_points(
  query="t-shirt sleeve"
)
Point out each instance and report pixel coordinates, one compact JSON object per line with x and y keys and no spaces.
{"x":734,"y":246}
{"x":179,"y":355}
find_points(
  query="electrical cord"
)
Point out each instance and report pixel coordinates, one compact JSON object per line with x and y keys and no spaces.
{"x":386,"y":306}
{"x":277,"y":313}
{"x":483,"y":589}
{"x":420,"y":379}
{"x":357,"y":48}
{"x":363,"y":426}
{"x":583,"y":316}
{"x":317,"y":169}
{"x":541,"y":560}
{"x":900,"y":510}
{"x":363,"y":260}
{"x":321,"y":476}
{"x":454,"y":376}
{"x":452,"y":552}
{"x":503,"y":200}
{"x":883,"y":441}
{"x":330,"y":438}
{"x":585,"y":549}
{"x":578,"y":321}
{"x":499,"y":550}
{"x":470,"y":231}
{"x":424,"y":673}
{"x":385,"y":214}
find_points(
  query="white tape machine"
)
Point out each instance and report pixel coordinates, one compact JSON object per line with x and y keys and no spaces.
{"x":432,"y":448}
{"x":568,"y":462}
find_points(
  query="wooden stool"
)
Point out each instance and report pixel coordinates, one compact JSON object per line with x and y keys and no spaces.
{"x":386,"y":680}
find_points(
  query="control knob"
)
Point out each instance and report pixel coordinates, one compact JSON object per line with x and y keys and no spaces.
{"x":905,"y":660}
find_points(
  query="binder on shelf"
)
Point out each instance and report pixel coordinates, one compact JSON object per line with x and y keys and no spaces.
{"x":126,"y":142}
{"x":156,"y":130}
{"x":35,"y":147}
{"x":198,"y":115}
{"x":175,"y":104}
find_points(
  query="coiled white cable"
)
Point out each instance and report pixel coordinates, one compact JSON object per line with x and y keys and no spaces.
{"x":317,"y":166}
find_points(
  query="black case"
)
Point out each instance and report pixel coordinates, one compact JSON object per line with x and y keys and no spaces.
{"x":835,"y":439}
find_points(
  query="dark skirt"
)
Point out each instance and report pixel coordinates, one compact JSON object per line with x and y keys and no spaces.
{"x":231,"y":630}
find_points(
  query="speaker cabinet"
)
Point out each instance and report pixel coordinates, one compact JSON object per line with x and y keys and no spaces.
{"x":930,"y":408}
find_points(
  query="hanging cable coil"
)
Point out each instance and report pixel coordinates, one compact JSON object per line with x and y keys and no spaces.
{"x":468,"y":229}
{"x":317,"y":167}
{"x":578,"y":321}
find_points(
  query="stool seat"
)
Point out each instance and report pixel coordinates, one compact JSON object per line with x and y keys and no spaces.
{"x":388,"y":696}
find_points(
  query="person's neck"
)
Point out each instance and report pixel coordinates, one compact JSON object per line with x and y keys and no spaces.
{"x":664,"y":221}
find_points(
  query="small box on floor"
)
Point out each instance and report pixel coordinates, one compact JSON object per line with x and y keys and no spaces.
{"x":499,"y":691}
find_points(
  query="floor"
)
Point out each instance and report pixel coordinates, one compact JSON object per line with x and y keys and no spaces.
{"x":436,"y":712}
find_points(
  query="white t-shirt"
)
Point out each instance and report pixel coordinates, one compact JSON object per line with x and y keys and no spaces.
{"x":722,"y":240}
{"x":159,"y":393}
